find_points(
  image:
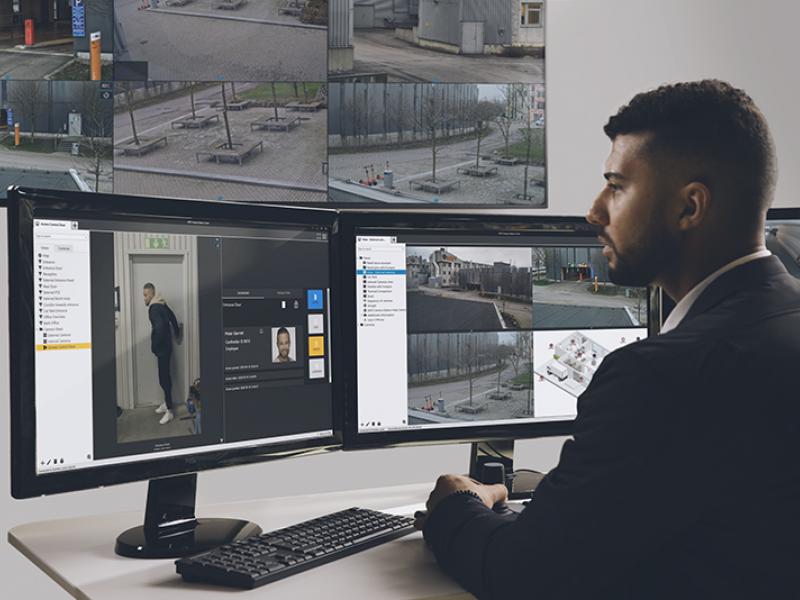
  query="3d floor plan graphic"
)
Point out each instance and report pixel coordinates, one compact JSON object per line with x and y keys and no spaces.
{"x":572,"y":363}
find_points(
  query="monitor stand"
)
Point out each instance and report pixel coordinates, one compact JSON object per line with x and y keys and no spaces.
{"x":520,"y":483}
{"x":170,"y":528}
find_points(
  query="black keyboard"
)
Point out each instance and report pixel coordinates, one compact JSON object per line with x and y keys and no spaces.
{"x":274,"y":555}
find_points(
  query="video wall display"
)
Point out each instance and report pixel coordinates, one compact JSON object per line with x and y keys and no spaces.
{"x":404,"y":103}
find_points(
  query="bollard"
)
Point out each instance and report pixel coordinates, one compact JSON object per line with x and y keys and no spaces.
{"x":16,"y":134}
{"x":29,"y":32}
{"x":95,"y":63}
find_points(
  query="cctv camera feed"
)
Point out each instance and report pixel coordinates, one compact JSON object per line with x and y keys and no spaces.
{"x":482,"y":333}
{"x":171,"y":341}
{"x":783,"y":240}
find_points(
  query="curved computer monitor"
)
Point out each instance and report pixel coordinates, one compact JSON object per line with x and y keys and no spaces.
{"x":153,"y":337}
{"x":782,"y":237}
{"x":475,"y":327}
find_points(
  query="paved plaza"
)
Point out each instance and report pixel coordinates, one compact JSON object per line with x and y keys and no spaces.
{"x":411,"y":163}
{"x":456,"y":393}
{"x":197,"y":42}
{"x":378,"y":51}
{"x":288,"y":169}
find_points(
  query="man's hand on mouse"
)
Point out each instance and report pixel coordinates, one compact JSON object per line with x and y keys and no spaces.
{"x":448,"y":484}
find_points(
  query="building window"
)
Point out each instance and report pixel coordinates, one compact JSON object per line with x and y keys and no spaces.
{"x":532,"y":14}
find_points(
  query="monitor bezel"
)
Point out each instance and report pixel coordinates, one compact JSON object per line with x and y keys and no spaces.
{"x":349,"y":223}
{"x":21,"y":203}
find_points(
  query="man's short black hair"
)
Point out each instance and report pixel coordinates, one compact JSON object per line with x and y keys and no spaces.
{"x":149,"y":286}
{"x":717,"y":127}
{"x":282,"y":330}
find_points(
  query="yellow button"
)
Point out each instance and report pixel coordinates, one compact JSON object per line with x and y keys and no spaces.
{"x":316,"y":345}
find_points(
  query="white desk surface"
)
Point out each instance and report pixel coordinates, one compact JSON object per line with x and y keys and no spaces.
{"x":78,"y":554}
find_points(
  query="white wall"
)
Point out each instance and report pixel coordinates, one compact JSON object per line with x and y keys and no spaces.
{"x":599,"y":53}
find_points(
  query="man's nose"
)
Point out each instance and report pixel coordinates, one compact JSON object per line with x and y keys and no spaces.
{"x":597,"y":213}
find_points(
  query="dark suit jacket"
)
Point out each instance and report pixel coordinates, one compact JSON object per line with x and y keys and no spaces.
{"x":683,"y":477}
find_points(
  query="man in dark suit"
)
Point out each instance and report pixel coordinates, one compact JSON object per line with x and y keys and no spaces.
{"x":682,"y":479}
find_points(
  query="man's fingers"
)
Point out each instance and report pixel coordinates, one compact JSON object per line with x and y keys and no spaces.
{"x":500,"y":492}
{"x":419,"y":519}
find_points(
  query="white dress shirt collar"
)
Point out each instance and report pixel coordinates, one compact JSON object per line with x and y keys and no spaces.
{"x":682,"y":308}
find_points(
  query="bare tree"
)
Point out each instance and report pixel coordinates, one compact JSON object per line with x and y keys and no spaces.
{"x":96,"y":119}
{"x":127,"y":88}
{"x":28,"y":98}
{"x":503,"y":354}
{"x":432,"y":119}
{"x":481,"y":113}
{"x":508,"y":106}
{"x":275,"y":100}
{"x":229,"y":145}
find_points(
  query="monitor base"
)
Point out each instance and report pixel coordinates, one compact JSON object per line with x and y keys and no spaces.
{"x":204,"y":535}
{"x":171,"y":529}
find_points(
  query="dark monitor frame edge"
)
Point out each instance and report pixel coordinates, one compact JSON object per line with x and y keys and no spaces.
{"x":25,"y":483}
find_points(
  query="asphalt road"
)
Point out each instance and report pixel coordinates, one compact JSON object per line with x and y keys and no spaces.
{"x":555,"y":316}
{"x":428,"y":313}
{"x":29,"y":64}
{"x":378,"y":51}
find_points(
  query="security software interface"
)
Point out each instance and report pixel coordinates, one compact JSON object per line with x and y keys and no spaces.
{"x":783,"y":240}
{"x":461,"y":330}
{"x":162,"y":338}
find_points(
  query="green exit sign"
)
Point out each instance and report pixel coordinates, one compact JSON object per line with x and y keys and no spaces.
{"x":157,"y":243}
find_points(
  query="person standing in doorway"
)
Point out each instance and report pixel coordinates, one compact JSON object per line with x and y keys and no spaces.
{"x":163,"y":323}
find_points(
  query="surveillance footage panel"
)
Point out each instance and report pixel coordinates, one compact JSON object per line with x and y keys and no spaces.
{"x":425,"y":144}
{"x":58,"y":135}
{"x":213,"y":40}
{"x":572,"y":289}
{"x":783,"y":240}
{"x":437,"y":40}
{"x":56,"y":40}
{"x":463,"y":288}
{"x":251,"y":141}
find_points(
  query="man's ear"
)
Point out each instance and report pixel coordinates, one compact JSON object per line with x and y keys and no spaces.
{"x":696,"y":203}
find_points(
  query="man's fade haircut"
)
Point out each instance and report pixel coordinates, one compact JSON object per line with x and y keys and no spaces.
{"x":149,"y":286}
{"x":283,"y":330}
{"x":718,"y":128}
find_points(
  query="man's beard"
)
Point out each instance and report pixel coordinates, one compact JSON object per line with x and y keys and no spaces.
{"x":642,"y":263}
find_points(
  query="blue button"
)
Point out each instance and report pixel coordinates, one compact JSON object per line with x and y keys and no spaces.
{"x":314,"y":299}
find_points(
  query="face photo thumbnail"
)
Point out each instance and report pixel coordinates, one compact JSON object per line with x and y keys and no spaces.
{"x":284,"y":348}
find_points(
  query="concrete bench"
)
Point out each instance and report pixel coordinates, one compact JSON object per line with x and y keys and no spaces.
{"x":435,"y":187}
{"x":177,"y":2}
{"x":144,"y":146}
{"x":292,"y":7}
{"x":194,"y":123}
{"x":304,"y":106}
{"x":240,"y":152}
{"x":476,"y":407}
{"x":240,"y":105}
{"x":509,"y":161}
{"x":477,"y":171}
{"x":229,"y":4}
{"x":273,"y":124}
